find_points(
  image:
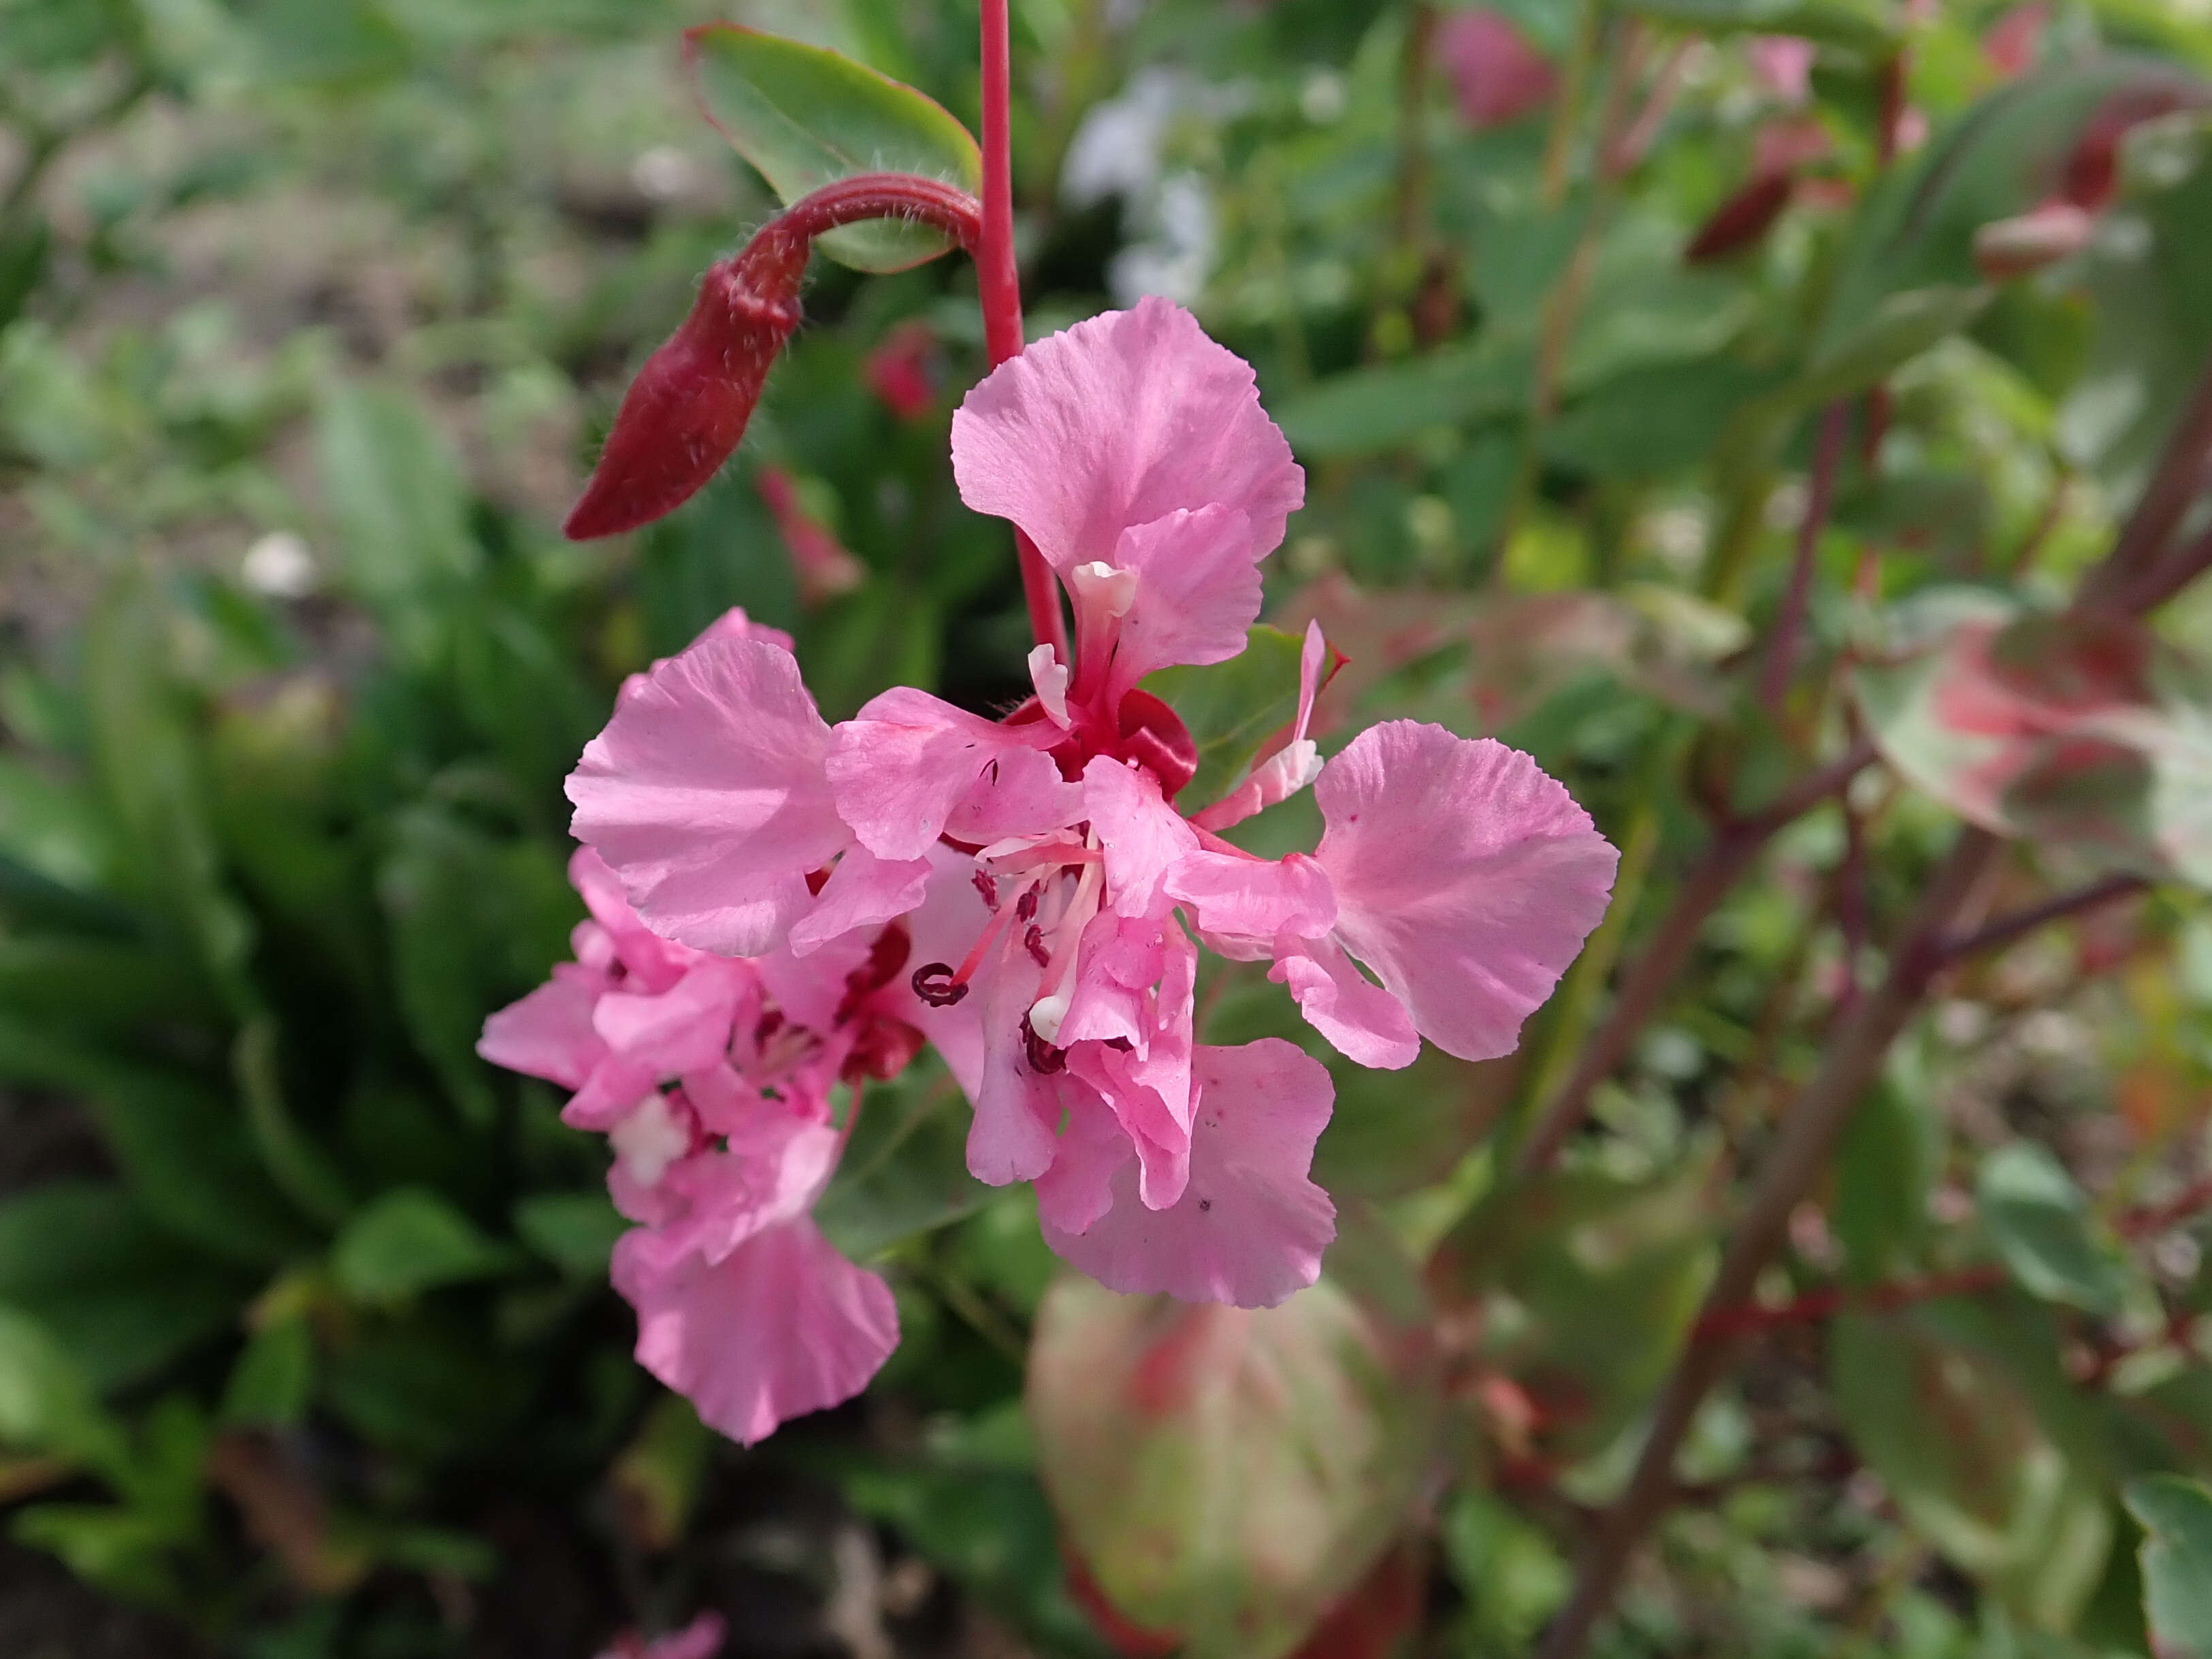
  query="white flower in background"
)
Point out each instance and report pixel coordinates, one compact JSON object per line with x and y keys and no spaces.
{"x":1120,"y":149}
{"x":278,"y":567}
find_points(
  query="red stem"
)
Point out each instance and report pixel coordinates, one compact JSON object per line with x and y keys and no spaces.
{"x":1789,"y":625}
{"x":998,"y":285}
{"x":882,"y":196}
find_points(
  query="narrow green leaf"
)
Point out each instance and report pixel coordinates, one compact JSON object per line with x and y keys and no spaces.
{"x":410,"y":1241}
{"x":274,"y":1379}
{"x":2177,"y":1563}
{"x":1231,"y":708}
{"x":2039,"y":1222}
{"x":46,"y":1402}
{"x":1867,"y":26}
{"x":398,"y":504}
{"x":906,"y":1169}
{"x":806,"y":117}
{"x":574,"y":1231}
{"x":1366,"y":409}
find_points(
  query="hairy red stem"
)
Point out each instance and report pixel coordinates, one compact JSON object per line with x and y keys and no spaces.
{"x":998,"y":283}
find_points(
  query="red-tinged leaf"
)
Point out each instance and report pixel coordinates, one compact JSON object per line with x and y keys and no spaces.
{"x":689,"y":406}
{"x":1743,"y":220}
{"x":2081,"y":731}
{"x":1224,"y":1475}
{"x":1370,"y":1622}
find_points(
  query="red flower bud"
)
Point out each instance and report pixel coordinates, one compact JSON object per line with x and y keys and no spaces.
{"x":903,"y":370}
{"x":689,"y":406}
{"x":819,"y":562}
{"x":2005,"y":248}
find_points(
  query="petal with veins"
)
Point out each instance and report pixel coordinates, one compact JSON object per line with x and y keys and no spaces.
{"x":706,"y":795}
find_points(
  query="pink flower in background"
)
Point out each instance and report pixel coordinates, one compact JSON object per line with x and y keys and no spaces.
{"x":1496,"y":75}
{"x":2015,"y":41}
{"x":903,"y":370}
{"x":819,"y":562}
{"x":1783,"y":65}
{"x":701,"y":1638}
{"x":1133,"y":453}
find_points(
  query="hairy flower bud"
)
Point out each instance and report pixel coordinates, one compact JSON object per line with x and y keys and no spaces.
{"x":689,"y":406}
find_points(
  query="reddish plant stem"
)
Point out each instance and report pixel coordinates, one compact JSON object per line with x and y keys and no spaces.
{"x":879,"y":196}
{"x":999,"y":285}
{"x":2123,"y":582}
{"x":1718,"y":1324}
{"x":1820,"y":495}
{"x":1994,"y":935}
{"x":1724,"y":862}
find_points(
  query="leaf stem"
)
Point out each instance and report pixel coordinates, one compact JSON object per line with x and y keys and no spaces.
{"x":999,"y":285}
{"x":1994,"y":935}
{"x":2133,"y":578}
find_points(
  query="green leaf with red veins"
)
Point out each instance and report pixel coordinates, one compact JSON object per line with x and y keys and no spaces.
{"x":806,"y":117}
{"x":2086,"y":733}
{"x":1231,"y":708}
{"x":2177,"y":1563}
{"x":1225,"y":1474}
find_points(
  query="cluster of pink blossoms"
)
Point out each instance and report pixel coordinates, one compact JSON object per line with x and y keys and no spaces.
{"x":1023,"y":893}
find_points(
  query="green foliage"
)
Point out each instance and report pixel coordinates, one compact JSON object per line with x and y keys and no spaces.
{"x":2177,"y":1562}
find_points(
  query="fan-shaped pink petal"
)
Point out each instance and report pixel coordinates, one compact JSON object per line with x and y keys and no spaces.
{"x":1118,"y":421}
{"x":549,"y":1033}
{"x":705,"y":794}
{"x":904,"y":763}
{"x":782,"y":1327}
{"x":1465,"y":878}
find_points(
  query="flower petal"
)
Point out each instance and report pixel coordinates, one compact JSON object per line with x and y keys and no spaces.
{"x":1250,"y":1227}
{"x":1366,"y":1023}
{"x":1255,"y":899}
{"x":862,"y":891}
{"x":782,"y":1327}
{"x":908,"y":760}
{"x":1198,"y":590}
{"x":1465,"y":878}
{"x":1118,"y":421}
{"x":1021,"y":792}
{"x":549,"y":1033}
{"x":683,"y":1029}
{"x":705,"y":794}
{"x":1017,"y":1107}
{"x":1142,"y":836}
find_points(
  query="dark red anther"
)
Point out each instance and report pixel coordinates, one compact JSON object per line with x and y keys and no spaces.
{"x":1025,"y":907}
{"x":987,"y":886}
{"x":1153,"y":735}
{"x":1044,"y":1058}
{"x":1740,"y":222}
{"x":689,"y":405}
{"x":934,"y":984}
{"x":1034,"y":939}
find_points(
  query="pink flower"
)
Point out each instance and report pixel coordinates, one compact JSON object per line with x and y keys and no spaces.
{"x":743,"y":1306}
{"x":701,"y":1638}
{"x":1133,"y":452}
{"x":903,"y":370}
{"x":1496,"y":75}
{"x":1783,"y":65}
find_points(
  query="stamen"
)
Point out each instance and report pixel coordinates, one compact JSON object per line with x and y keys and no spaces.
{"x":1035,"y":940}
{"x":988,"y":887}
{"x":934,"y":983}
{"x":1044,"y":1058}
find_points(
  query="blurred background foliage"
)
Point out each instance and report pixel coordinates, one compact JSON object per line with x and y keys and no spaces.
{"x":311,"y":312}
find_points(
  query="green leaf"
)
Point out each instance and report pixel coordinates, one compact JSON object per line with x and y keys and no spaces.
{"x":1650,"y":421}
{"x":574,"y":1231}
{"x":410,"y":1241}
{"x":905,"y":1170}
{"x":429,"y":1386}
{"x":46,"y":1401}
{"x":398,"y":505}
{"x":274,"y":1378}
{"x":2177,"y":1562}
{"x":116,"y":1293}
{"x":2040,"y":1222}
{"x":1885,"y":1168}
{"x":1899,"y":328}
{"x":1366,"y":409}
{"x":1231,"y":708}
{"x":1972,"y":1469}
{"x":806,"y":117}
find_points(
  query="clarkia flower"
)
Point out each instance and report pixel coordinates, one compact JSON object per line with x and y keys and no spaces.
{"x":701,"y":1638}
{"x":1133,"y":453}
{"x":711,"y":1078}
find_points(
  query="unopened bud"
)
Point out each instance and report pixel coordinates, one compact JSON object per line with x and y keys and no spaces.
{"x":689,"y":406}
{"x":1742,"y":220}
{"x":2005,"y":248}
